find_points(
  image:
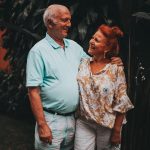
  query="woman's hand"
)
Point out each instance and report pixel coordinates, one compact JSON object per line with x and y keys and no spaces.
{"x":116,"y":131}
{"x":115,"y":137}
{"x":117,"y":60}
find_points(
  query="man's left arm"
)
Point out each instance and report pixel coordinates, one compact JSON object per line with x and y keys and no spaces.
{"x":116,"y":60}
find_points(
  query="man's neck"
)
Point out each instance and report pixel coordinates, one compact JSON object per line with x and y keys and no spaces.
{"x":58,"y":41}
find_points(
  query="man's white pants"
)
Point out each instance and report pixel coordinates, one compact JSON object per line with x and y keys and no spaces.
{"x":63,"y":128}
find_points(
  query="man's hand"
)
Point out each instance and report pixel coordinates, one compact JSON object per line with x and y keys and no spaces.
{"x":117,"y":60}
{"x":45,"y":133}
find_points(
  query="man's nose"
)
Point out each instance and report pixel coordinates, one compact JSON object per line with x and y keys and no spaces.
{"x":68,"y":23}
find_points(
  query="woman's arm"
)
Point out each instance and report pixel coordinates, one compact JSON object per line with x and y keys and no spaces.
{"x":121,"y":105}
{"x":117,"y":61}
{"x":116,"y":131}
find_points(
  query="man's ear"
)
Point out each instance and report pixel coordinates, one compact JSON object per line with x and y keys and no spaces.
{"x":51,"y":23}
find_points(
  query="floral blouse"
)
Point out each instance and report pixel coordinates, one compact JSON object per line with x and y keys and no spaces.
{"x":102,"y":94}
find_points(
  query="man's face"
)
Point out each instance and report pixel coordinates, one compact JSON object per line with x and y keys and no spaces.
{"x":61,"y":24}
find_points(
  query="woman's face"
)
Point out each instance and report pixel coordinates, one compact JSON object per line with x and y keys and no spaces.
{"x":97,"y":44}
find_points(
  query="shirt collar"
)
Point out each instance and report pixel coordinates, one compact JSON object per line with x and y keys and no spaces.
{"x":54,"y":44}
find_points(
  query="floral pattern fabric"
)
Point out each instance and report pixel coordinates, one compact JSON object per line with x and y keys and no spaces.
{"x":102,"y":94}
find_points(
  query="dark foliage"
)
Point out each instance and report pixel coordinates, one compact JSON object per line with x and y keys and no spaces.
{"x":23,"y":20}
{"x":24,"y":23}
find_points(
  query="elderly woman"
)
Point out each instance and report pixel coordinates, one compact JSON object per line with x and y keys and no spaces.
{"x":103,"y":98}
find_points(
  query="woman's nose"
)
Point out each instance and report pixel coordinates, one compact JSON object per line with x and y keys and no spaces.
{"x":91,"y":41}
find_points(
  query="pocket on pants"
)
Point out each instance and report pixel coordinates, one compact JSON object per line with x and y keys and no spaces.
{"x":50,"y":119}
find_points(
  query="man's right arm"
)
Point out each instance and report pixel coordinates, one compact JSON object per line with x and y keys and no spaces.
{"x":45,"y":133}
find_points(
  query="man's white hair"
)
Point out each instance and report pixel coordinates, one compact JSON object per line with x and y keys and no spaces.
{"x":52,"y":11}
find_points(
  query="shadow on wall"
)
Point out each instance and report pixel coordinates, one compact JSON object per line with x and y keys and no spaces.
{"x":4,"y":64}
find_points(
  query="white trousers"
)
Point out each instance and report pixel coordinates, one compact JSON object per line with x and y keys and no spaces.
{"x":63,"y":129}
{"x":90,"y":136}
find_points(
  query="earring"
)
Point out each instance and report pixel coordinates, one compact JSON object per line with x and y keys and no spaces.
{"x":105,"y":53}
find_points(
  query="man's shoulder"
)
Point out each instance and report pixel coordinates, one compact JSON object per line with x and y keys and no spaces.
{"x":72,"y":42}
{"x":40,"y":45}
{"x":69,"y":40}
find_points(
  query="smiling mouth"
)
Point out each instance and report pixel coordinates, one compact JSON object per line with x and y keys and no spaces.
{"x":65,"y":30}
{"x":92,"y":47}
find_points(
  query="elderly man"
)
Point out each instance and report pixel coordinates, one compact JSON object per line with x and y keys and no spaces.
{"x":52,"y":66}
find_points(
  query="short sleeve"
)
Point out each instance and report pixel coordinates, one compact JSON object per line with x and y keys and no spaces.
{"x":34,"y":69}
{"x":122,"y":102}
{"x":83,"y":54}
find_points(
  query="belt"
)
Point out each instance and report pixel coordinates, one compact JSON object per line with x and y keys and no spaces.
{"x":53,"y":112}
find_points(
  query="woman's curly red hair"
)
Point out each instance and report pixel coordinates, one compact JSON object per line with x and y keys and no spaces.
{"x":112,"y":34}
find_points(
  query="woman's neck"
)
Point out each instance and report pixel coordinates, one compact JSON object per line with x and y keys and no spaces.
{"x":99,"y":59}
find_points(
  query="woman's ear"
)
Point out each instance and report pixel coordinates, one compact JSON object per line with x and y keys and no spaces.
{"x":105,"y":53}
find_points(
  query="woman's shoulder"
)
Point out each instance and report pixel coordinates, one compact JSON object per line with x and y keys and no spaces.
{"x":116,"y":68}
{"x":85,"y":60}
{"x":84,"y":63}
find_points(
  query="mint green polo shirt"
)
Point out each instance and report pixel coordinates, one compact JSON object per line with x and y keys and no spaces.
{"x":54,"y":70}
